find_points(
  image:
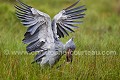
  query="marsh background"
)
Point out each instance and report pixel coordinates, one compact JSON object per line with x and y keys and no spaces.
{"x":100,"y":32}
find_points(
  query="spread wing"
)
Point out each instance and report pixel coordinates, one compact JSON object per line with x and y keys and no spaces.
{"x":66,"y":19}
{"x":39,"y":35}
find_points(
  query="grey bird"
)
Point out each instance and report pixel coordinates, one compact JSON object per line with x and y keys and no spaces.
{"x":43,"y":34}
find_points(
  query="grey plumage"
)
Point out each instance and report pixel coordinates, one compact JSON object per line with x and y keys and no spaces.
{"x":43,"y":35}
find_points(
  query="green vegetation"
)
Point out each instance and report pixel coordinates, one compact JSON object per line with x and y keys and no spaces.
{"x":99,"y":32}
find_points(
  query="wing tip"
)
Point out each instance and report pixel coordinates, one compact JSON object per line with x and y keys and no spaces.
{"x":23,"y":4}
{"x":72,"y":5}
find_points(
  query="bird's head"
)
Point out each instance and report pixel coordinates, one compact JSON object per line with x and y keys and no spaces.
{"x":69,"y":47}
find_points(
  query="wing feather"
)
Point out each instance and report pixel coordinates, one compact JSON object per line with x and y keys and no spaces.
{"x":66,"y":19}
{"x":39,"y":28}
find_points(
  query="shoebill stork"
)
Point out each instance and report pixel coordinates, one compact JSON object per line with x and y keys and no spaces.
{"x":43,"y":34}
